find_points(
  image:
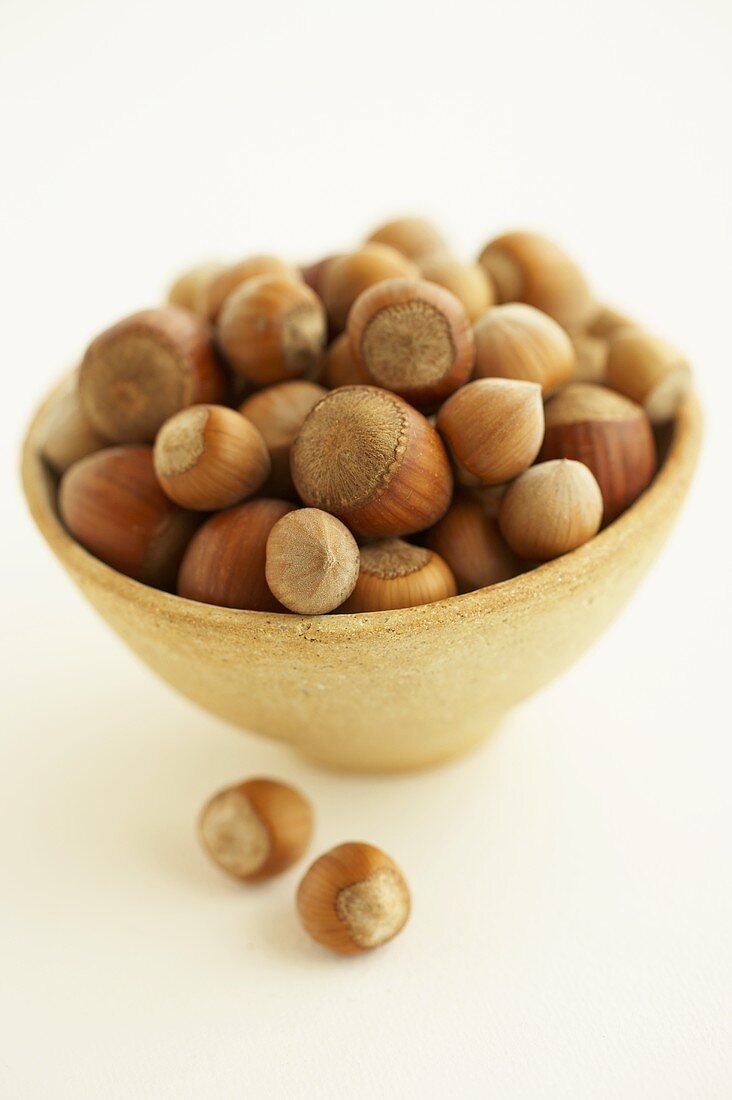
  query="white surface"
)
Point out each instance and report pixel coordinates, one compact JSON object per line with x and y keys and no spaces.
{"x":572,"y":880}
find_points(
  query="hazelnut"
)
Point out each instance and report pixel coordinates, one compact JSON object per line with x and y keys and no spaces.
{"x":494,"y":428}
{"x":609,"y":433}
{"x":395,"y":574}
{"x":140,"y":371}
{"x":550,"y":509}
{"x":68,"y":435}
{"x":313,"y":274}
{"x":591,"y":358}
{"x":339,"y":366}
{"x":185,"y":290}
{"x":353,"y":898}
{"x":470,"y":283}
{"x":278,"y":413}
{"x":648,"y":370}
{"x":225,"y":562}
{"x":518,"y":341}
{"x":271,"y":328}
{"x":607,"y":321}
{"x":112,"y":504}
{"x":349,"y":275}
{"x":412,"y":337}
{"x":312,"y":561}
{"x":470,"y":541}
{"x":413,"y":237}
{"x":256,"y":829}
{"x":209,"y":457}
{"x":369,"y":458}
{"x":488,"y":496}
{"x":214,"y":290}
{"x":526,"y":267}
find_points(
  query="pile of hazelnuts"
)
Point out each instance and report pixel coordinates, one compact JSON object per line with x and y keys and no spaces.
{"x":387,"y":427}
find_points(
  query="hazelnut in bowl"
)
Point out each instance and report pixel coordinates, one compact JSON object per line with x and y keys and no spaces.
{"x":374,"y":686}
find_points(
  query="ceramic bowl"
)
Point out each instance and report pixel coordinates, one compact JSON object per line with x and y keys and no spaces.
{"x":389,"y":690}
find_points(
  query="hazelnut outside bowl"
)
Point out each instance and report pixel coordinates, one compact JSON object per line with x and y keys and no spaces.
{"x":389,"y":690}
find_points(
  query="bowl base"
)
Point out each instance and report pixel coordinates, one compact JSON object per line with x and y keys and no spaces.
{"x":340,"y":759}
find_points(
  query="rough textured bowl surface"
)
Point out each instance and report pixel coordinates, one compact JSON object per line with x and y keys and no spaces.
{"x":390,"y":690}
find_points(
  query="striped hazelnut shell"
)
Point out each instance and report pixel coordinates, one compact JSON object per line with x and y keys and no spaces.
{"x":609,"y":433}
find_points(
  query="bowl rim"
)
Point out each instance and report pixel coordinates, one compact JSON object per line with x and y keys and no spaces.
{"x":568,"y":572}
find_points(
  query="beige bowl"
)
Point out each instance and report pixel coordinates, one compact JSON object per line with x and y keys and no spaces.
{"x":390,"y":690}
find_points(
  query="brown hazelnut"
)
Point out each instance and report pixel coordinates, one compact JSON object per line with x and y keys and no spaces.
{"x":349,"y":275}
{"x":112,"y":504}
{"x":518,"y":341}
{"x":209,"y":457}
{"x":395,"y":574}
{"x":488,"y":496}
{"x":339,"y":366}
{"x":552,"y":508}
{"x":648,"y":370}
{"x":494,"y":428}
{"x":225,"y":562}
{"x":412,"y":337}
{"x":470,"y":541}
{"x":591,"y":358}
{"x":278,"y":413}
{"x":256,"y":829}
{"x":185,"y":290}
{"x":140,"y":371}
{"x":369,"y":458}
{"x":67,"y":433}
{"x":413,"y":237}
{"x":608,"y":433}
{"x":526,"y":267}
{"x":353,"y":898}
{"x":271,"y":328}
{"x":213,"y":291}
{"x":607,"y":321}
{"x":313,"y":274}
{"x":470,"y":283}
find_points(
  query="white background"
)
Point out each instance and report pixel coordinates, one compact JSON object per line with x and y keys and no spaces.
{"x":572,"y":879}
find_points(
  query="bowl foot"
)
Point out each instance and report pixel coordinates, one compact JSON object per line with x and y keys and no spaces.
{"x":401,"y":757}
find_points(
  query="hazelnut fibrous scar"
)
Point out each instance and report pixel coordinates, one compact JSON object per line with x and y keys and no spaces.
{"x":395,"y":574}
{"x":353,"y":898}
{"x":209,"y":457}
{"x":407,"y":345}
{"x":256,"y":829}
{"x":374,"y":909}
{"x":358,"y":437}
{"x":369,"y":458}
{"x":412,"y":337}
{"x":141,"y":371}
